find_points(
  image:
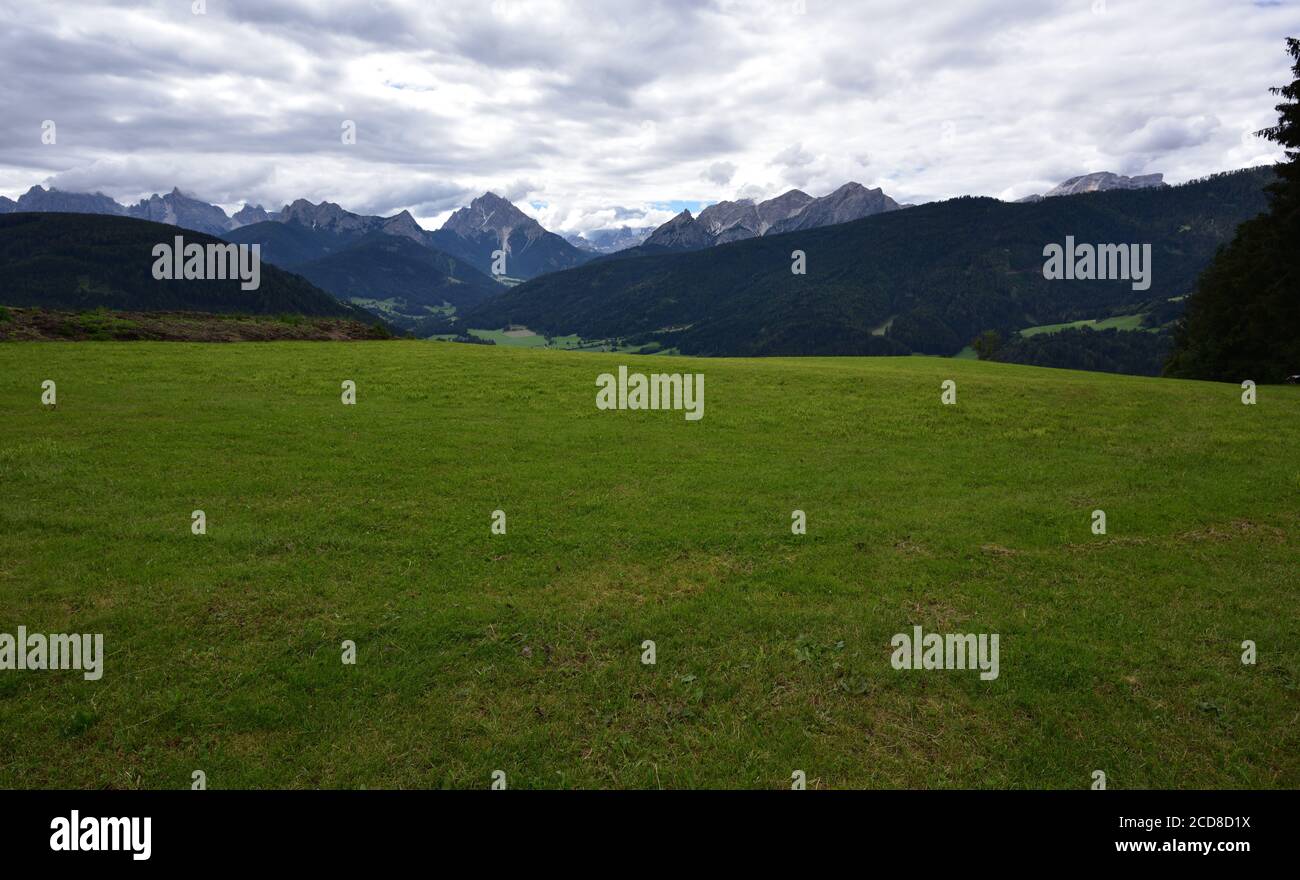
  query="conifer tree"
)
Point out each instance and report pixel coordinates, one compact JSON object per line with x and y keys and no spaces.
{"x":1243,"y":320}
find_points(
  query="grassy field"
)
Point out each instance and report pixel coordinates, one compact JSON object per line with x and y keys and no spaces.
{"x":1119,"y":322}
{"x":522,"y":652}
{"x":525,"y":339}
{"x":528,"y":339}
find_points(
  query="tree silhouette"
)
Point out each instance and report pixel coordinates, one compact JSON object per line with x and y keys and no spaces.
{"x":1243,"y":321}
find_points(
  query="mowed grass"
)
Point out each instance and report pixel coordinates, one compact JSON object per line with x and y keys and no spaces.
{"x":522,"y":652}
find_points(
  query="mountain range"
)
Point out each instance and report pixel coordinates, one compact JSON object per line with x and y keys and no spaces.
{"x":491,"y":223}
{"x":387,"y":264}
{"x":1098,"y":181}
{"x":609,"y":240}
{"x":487,"y":225}
{"x":926,"y":280}
{"x":880,"y":280}
{"x":472,"y":234}
{"x":726,"y":222}
{"x":175,"y":208}
{"x":392,"y":265}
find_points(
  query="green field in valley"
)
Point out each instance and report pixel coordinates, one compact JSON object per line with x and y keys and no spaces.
{"x":1119,"y":322}
{"x":522,"y":652}
{"x":525,"y":338}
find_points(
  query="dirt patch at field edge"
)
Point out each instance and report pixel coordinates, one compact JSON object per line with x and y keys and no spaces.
{"x":37,"y":325}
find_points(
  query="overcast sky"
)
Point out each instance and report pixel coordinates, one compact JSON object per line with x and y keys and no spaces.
{"x":591,"y":114}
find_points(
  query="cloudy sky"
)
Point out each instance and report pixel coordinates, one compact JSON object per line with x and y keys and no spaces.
{"x":592,"y":114}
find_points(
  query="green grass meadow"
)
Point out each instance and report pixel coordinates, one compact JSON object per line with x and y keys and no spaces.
{"x":522,"y":652}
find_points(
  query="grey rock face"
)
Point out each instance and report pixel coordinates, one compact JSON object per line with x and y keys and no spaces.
{"x":404,"y":224}
{"x":328,"y":217}
{"x":783,"y":207}
{"x":1100,"y":181}
{"x":490,"y":213}
{"x":852,"y":201}
{"x":178,"y":209}
{"x":794,"y":210}
{"x":491,"y":223}
{"x":250,"y":214}
{"x":731,"y":221}
{"x":735,"y":221}
{"x":683,"y":232}
{"x":610,"y":240}
{"x":40,"y":199}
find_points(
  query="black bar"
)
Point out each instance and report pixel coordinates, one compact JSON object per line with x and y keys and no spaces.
{"x":333,"y":828}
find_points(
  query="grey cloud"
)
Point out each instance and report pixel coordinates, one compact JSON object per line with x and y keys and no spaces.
{"x":1166,"y":134}
{"x":794,"y":156}
{"x":624,"y":102}
{"x":719,"y":173}
{"x":519,"y":190}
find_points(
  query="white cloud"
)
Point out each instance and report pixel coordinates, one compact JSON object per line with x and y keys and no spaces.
{"x":593,"y":112}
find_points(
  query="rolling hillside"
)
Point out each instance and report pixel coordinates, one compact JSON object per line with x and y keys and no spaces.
{"x":927,"y":279}
{"x":403,"y":279}
{"x":290,"y":244}
{"x":89,"y":261}
{"x":523,"y":651}
{"x":388,"y":266}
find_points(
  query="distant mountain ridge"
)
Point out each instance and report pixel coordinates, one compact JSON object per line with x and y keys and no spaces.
{"x":726,"y":222}
{"x":852,"y":201}
{"x":1098,"y":181}
{"x":609,"y":240}
{"x":928,"y":279}
{"x":387,"y":264}
{"x":357,"y":257}
{"x":490,"y":224}
{"x":181,"y":210}
{"x":472,"y":233}
{"x":175,"y":208}
{"x":39,"y":199}
{"x":682,"y":233}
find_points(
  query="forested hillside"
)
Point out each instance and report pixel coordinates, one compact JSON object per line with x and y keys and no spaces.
{"x":89,"y":261}
{"x":928,"y":279}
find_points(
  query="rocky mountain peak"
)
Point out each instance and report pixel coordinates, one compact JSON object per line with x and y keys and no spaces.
{"x":1101,"y":181}
{"x":490,"y":223}
{"x":734,"y":221}
{"x":851,"y":201}
{"x":491,"y":213}
{"x":683,"y":232}
{"x":40,"y":199}
{"x":404,"y":224}
{"x":178,"y":209}
{"x":250,"y":214}
{"x":609,"y":240}
{"x":326,"y":215}
{"x":1098,"y":181}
